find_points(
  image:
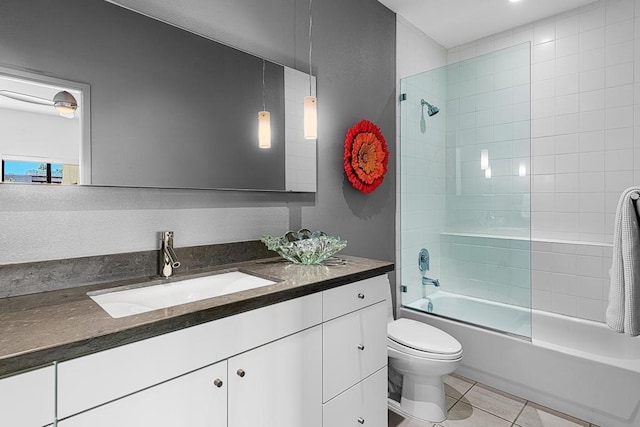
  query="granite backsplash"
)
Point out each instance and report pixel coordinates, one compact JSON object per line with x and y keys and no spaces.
{"x":35,"y":277}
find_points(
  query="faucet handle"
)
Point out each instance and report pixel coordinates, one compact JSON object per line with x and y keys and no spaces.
{"x":423,"y":260}
{"x":166,"y":235}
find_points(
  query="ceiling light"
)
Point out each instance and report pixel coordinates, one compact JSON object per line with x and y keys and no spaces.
{"x":65,"y":103}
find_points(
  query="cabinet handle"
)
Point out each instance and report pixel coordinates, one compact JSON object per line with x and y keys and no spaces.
{"x":361,"y":420}
{"x":360,"y":347}
{"x":240,"y":373}
{"x":218,"y":382}
{"x":361,"y":296}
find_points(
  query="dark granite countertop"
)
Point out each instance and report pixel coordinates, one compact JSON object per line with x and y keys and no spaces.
{"x":39,"y":329}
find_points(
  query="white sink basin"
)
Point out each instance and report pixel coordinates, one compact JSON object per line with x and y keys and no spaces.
{"x":122,"y":303}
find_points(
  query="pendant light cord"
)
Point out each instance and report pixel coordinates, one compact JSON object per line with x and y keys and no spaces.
{"x":310,"y":44}
{"x":264,"y":103}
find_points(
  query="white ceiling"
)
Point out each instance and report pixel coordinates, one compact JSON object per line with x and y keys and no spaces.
{"x":449,"y":22}
{"x":455,"y":22}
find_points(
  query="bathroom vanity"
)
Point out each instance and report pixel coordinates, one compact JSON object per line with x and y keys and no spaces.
{"x":308,"y":350}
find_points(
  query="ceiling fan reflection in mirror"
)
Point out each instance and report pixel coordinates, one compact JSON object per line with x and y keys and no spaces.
{"x":63,"y":101}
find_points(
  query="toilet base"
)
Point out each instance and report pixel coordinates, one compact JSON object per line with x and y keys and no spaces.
{"x":424,"y":399}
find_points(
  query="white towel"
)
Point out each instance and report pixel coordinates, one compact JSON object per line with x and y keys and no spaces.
{"x":623,"y":312}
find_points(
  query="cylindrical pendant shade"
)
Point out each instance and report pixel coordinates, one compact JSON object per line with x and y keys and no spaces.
{"x":264,"y":129}
{"x":310,"y":117}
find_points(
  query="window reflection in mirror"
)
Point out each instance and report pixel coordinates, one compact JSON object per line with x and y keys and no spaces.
{"x":41,"y":129}
{"x":29,"y":172}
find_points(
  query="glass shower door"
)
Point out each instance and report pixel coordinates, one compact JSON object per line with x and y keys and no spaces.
{"x":465,"y":191}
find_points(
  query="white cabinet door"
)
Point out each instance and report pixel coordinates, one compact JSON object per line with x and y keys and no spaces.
{"x":278,"y":384}
{"x":364,"y":404}
{"x":198,"y":399}
{"x":28,"y":399}
{"x":95,"y":379}
{"x":355,"y":346}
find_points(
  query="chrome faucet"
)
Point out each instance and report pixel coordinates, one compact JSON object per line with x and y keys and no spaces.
{"x":429,"y":281}
{"x":168,"y":258}
{"x":423,"y":265}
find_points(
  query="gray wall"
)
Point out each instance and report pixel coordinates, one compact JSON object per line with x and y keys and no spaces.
{"x":354,"y":60}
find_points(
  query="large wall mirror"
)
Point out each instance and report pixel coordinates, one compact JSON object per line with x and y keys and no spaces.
{"x":155,"y":106}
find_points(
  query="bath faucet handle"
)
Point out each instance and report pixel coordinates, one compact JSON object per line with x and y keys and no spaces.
{"x":423,"y":260}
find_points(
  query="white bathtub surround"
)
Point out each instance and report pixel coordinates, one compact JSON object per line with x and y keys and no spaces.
{"x":623,"y":312}
{"x":574,"y":366}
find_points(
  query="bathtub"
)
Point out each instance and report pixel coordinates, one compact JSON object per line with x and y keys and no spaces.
{"x":494,"y":315}
{"x":575,"y":366}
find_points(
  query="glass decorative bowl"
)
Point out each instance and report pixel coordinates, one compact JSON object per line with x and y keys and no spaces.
{"x":304,"y":246}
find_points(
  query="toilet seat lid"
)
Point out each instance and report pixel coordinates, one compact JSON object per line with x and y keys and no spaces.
{"x":423,"y":337}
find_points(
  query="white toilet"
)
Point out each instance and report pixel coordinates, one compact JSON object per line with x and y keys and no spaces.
{"x":422,"y":354}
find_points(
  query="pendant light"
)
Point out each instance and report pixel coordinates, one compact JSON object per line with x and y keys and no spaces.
{"x":310,"y":102}
{"x":264,"y":119}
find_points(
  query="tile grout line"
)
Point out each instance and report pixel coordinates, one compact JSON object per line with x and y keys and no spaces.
{"x":513,"y":423}
{"x":463,"y":395}
{"x":526,"y":402}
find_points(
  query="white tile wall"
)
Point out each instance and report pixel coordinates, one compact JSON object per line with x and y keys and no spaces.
{"x":585,"y":146}
{"x":496,"y":269}
{"x":570,"y":278}
{"x":422,"y":181}
{"x":493,"y":118}
{"x":585,"y":149}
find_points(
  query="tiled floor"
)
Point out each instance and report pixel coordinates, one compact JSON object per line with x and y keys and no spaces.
{"x":472,"y":404}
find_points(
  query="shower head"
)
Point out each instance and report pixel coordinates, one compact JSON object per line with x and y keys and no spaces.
{"x":431,"y":109}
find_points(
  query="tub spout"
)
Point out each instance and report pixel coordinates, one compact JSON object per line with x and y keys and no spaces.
{"x":429,"y":281}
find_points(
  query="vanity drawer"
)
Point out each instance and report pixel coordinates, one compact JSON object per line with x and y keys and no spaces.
{"x":27,"y":400}
{"x":363,"y":404}
{"x":355,"y":346}
{"x":352,"y":297}
{"x":92,"y":380}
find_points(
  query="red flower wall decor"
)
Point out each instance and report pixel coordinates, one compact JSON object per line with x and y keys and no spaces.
{"x":365,"y":156}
